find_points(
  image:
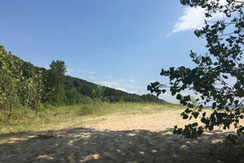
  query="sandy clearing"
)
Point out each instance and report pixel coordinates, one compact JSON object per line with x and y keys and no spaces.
{"x":114,"y":138}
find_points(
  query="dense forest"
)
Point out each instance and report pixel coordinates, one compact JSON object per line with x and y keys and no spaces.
{"x":24,"y":85}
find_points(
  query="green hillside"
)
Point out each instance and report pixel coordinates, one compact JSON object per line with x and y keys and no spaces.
{"x":59,"y":89}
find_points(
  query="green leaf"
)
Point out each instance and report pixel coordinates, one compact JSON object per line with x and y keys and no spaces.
{"x":195,"y":114}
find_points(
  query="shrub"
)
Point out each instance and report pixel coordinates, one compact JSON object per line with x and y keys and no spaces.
{"x":86,"y":109}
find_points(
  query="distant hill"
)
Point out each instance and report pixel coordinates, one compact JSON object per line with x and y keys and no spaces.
{"x":77,"y":89}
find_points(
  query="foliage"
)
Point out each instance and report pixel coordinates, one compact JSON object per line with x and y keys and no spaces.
{"x":209,"y":80}
{"x":22,"y":85}
{"x":151,"y":98}
{"x":54,"y":83}
{"x":87,"y":109}
{"x":10,"y":76}
{"x":34,"y":90}
{"x":17,"y":87}
{"x":72,"y":97}
{"x":98,"y":94}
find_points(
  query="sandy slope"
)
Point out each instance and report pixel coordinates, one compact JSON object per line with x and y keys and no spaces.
{"x":114,"y":138}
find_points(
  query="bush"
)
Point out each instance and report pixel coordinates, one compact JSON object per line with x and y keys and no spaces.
{"x":86,"y":100}
{"x":86,"y":109}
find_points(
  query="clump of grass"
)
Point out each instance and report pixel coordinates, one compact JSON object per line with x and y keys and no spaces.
{"x":87,"y":109}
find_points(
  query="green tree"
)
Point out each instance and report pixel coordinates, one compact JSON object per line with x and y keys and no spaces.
{"x":150,"y":98}
{"x":209,"y":78}
{"x":98,"y":93}
{"x":10,"y":77}
{"x":54,"y":84}
{"x":72,"y":96}
{"x":34,"y":91}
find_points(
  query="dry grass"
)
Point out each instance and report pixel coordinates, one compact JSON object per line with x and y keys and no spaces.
{"x":70,"y":116}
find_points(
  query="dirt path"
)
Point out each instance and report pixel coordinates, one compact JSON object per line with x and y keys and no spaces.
{"x":113,"y":138}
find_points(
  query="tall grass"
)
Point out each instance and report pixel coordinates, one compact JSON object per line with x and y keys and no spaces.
{"x":24,"y":120}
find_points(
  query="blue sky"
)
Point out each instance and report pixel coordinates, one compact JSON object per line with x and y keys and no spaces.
{"x":118,"y":43}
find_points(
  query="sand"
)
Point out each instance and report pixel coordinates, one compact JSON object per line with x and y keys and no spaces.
{"x":115,"y":138}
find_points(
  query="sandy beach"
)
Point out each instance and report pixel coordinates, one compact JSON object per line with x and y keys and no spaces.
{"x":114,"y":138}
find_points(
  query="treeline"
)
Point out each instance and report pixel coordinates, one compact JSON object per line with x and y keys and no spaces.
{"x":24,"y":85}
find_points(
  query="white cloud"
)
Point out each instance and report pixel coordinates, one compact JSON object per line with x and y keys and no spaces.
{"x":132,"y":81}
{"x":152,"y":81}
{"x":122,"y":89}
{"x":69,"y":71}
{"x":79,"y":72}
{"x":109,"y":84}
{"x":87,"y":72}
{"x":193,"y":18}
{"x":121,"y":80}
{"x":92,"y":77}
{"x":44,"y":65}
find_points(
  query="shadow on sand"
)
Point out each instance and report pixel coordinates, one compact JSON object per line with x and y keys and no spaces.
{"x":89,"y":145}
